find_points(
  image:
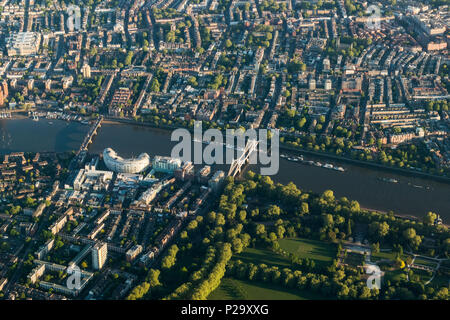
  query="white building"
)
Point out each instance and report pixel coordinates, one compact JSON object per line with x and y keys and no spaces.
{"x":86,"y":70}
{"x":121,"y":165}
{"x":166,"y":164}
{"x":23,"y":43}
{"x":326,"y":64}
{"x":92,"y":179}
{"x":99,"y":255}
{"x":312,"y":84}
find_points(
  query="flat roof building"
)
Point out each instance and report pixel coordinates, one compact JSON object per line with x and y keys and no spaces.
{"x":166,"y":164}
{"x":99,"y":255}
{"x":23,"y":44}
{"x":133,"y":252}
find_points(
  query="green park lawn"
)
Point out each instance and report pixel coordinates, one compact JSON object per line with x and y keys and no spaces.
{"x":382,"y":255}
{"x":258,"y":256}
{"x":233,"y":289}
{"x":321,"y":252}
{"x":386,"y":255}
{"x":425,"y":262}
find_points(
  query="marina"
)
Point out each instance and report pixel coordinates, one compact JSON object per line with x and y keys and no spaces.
{"x":312,"y":163}
{"x":56,"y":116}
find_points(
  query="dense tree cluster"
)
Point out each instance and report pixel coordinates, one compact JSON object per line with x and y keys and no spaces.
{"x":169,"y":260}
{"x":340,"y":285}
{"x":257,"y":213}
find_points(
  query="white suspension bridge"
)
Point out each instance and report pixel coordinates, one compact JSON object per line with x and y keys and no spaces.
{"x":237,"y":164}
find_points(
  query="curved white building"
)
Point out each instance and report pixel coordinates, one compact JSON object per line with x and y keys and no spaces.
{"x":118,"y":164}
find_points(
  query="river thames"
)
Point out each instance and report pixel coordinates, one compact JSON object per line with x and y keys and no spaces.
{"x":409,"y":196}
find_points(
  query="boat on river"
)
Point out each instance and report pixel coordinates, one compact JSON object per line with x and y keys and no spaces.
{"x":390,"y":180}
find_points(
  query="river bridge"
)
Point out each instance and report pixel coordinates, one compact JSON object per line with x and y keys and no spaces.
{"x":82,"y":152}
{"x":92,"y":132}
{"x":237,"y":164}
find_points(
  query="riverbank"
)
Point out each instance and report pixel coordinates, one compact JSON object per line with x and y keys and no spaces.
{"x":322,"y":155}
{"x":411,"y":195}
{"x":402,"y":216}
{"x":113,"y":120}
{"x":367,"y":164}
{"x":16,"y":116}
